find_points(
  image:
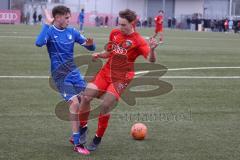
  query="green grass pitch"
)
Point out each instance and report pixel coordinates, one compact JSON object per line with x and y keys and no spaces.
{"x":205,"y":101}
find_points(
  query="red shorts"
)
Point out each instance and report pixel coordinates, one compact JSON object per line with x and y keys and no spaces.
{"x":158,"y":29}
{"x":105,"y":84}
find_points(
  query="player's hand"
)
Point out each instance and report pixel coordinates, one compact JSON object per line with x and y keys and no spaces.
{"x":48,"y":19}
{"x":153,"y":43}
{"x":89,"y":42}
{"x":95,"y":56}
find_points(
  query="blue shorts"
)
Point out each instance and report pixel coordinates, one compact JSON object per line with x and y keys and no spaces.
{"x":70,"y":85}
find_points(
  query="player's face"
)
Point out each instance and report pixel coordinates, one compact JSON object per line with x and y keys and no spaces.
{"x":63,"y":20}
{"x":125,"y":26}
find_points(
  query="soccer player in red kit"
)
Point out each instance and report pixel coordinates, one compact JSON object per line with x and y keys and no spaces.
{"x":124,"y":46}
{"x":159,"y":25}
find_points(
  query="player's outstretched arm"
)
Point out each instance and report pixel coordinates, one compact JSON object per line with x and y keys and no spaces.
{"x":89,"y":44}
{"x":43,"y":36}
{"x":103,"y":54}
{"x":48,"y":18}
{"x":153,"y":45}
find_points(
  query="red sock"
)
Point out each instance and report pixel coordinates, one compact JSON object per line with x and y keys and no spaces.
{"x":83,"y":118}
{"x":102,"y":124}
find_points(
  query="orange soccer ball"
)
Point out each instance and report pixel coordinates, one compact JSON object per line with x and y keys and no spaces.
{"x":139,"y":131}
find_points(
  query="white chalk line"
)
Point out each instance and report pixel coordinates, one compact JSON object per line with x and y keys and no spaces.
{"x":141,"y":73}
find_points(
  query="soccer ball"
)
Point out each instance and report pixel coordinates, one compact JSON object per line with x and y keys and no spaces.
{"x":139,"y":131}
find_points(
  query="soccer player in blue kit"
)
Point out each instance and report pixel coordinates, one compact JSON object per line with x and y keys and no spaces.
{"x":60,"y":39}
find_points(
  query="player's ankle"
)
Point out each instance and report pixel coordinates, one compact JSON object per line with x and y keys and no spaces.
{"x":83,"y":129}
{"x":97,"y":140}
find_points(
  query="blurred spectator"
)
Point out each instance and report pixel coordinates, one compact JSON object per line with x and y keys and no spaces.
{"x":106,"y":21}
{"x":35,"y":17}
{"x":226,"y":25}
{"x":193,"y":23}
{"x":101,"y":21}
{"x":222,"y":25}
{"x":188,"y":23}
{"x":40,"y":18}
{"x":169,"y":22}
{"x":138,"y":23}
{"x":150,"y":21}
{"x":144,"y":22}
{"x":27,"y":17}
{"x":174,"y":21}
{"x":238,"y":26}
{"x":97,"y":21}
{"x":117,"y":21}
{"x":196,"y":24}
{"x":230,"y":25}
{"x":235,"y":26}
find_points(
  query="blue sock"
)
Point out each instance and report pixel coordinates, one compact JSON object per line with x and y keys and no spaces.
{"x":76,"y":137}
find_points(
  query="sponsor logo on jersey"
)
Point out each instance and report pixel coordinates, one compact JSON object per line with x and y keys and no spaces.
{"x":70,"y":36}
{"x":127,"y":44}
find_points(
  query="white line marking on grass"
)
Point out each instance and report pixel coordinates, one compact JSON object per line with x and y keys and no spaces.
{"x":185,"y":69}
{"x":163,"y":77}
{"x":25,"y":77}
{"x":25,"y":115}
{"x":200,"y":77}
{"x":139,"y":73}
{"x":201,"y":68}
{"x":26,"y":37}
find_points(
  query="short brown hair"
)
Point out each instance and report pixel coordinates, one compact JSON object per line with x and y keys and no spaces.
{"x":128,"y":14}
{"x":60,"y":10}
{"x":160,"y":11}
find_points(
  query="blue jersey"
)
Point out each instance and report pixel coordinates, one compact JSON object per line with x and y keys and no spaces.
{"x":60,"y":46}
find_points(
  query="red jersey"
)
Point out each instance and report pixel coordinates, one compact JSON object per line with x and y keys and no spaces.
{"x":124,"y":49}
{"x":159,"y":21}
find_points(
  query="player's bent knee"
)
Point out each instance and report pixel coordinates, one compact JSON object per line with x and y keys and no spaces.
{"x":73,"y":109}
{"x":92,"y":86}
{"x":73,"y":103}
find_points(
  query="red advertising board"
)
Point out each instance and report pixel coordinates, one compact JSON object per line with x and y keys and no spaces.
{"x":10,"y":16}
